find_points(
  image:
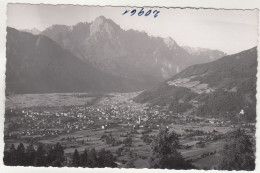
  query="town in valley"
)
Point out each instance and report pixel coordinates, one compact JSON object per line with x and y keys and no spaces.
{"x":109,"y":120}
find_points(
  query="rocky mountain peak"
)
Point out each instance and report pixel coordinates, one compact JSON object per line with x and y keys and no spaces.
{"x":103,"y":25}
{"x":33,"y":31}
{"x":169,"y":42}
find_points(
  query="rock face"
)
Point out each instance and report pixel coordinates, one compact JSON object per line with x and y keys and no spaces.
{"x":33,"y":31}
{"x":203,"y":55}
{"x":131,"y":54}
{"x":220,"y":88}
{"x":36,"y":64}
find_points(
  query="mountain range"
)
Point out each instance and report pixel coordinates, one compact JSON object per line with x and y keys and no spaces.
{"x":96,"y":56}
{"x":222,"y":88}
{"x":130,"y":53}
{"x":36,"y":64}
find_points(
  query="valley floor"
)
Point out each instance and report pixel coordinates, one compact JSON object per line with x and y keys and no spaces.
{"x":111,"y":121}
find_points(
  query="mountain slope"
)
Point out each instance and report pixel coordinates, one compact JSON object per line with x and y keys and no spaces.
{"x":130,"y":54}
{"x":36,"y":64}
{"x":221,"y":88}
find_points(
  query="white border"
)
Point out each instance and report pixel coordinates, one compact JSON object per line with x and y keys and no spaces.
{"x":217,"y":4}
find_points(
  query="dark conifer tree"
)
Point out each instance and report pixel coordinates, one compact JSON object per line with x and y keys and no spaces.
{"x":20,"y":155}
{"x":40,"y":159}
{"x":75,"y":159}
{"x":10,"y":156}
{"x":30,"y":155}
{"x":92,"y":158}
{"x":84,"y":158}
{"x":106,"y":159}
{"x":13,"y":157}
{"x":56,"y":156}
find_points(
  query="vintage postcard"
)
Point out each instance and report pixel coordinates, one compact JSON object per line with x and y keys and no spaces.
{"x":130,"y":87}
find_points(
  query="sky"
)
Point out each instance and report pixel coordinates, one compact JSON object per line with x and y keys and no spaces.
{"x":230,"y":31}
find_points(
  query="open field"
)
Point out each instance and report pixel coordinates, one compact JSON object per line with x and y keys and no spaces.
{"x":208,"y":162}
{"x":57,"y":99}
{"x":195,"y":152}
{"x":205,"y":128}
{"x":195,"y":86}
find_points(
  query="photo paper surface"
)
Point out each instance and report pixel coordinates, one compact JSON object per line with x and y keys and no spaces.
{"x":130,"y":87}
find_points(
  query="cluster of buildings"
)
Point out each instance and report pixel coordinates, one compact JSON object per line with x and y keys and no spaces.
{"x":109,"y":112}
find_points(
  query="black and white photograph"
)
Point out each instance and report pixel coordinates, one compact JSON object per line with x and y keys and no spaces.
{"x":130,"y":87}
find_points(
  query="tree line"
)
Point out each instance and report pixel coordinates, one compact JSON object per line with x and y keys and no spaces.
{"x":92,"y":158}
{"x":54,"y":156}
{"x":30,"y":156}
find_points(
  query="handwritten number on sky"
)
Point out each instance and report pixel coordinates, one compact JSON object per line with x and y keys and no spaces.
{"x":141,"y":12}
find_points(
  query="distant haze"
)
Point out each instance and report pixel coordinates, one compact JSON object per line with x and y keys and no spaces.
{"x":230,"y":31}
